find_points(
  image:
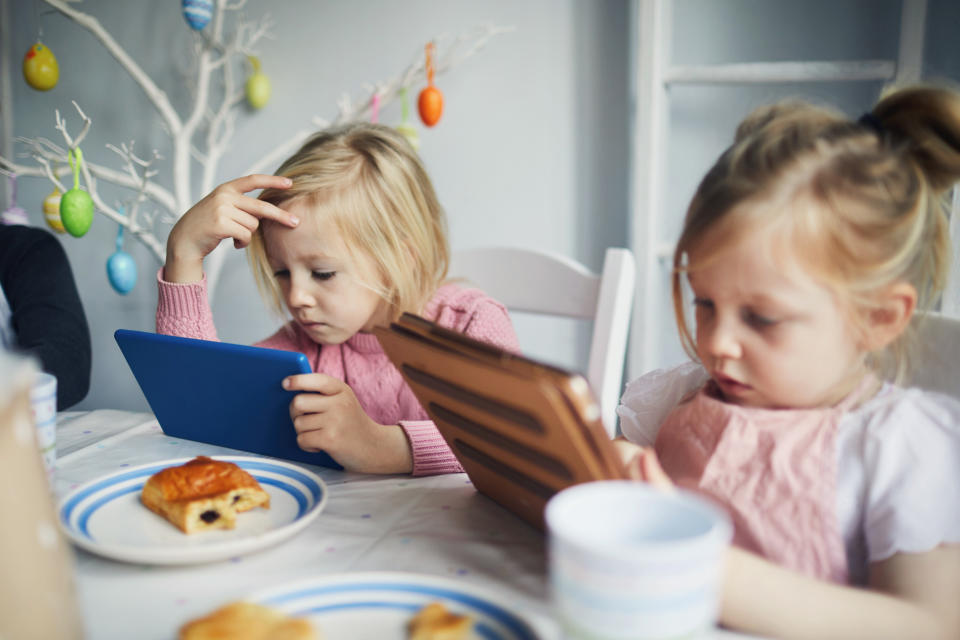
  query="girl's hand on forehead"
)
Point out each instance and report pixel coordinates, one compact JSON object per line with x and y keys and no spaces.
{"x":328,"y":417}
{"x":226,"y":212}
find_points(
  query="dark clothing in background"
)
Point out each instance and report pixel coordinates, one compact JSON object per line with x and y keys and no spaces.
{"x":46,"y":314}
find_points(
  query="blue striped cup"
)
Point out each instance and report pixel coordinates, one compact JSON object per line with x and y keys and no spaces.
{"x":43,"y":401}
{"x":628,"y":561}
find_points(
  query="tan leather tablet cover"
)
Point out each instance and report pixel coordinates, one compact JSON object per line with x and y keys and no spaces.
{"x":521,"y":429}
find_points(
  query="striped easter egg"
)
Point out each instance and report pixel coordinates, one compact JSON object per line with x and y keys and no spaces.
{"x":198,"y":13}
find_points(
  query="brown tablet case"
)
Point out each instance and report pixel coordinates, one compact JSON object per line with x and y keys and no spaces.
{"x":522,"y":430}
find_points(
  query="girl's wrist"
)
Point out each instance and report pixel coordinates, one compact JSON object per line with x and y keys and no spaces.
{"x":182,"y":271}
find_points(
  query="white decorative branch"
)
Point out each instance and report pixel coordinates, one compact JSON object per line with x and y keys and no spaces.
{"x":203,"y":135}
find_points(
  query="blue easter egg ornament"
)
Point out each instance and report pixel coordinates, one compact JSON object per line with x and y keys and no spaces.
{"x":198,"y":13}
{"x":122,"y":272}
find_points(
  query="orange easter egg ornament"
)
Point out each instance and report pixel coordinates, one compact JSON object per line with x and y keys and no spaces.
{"x":430,"y":105}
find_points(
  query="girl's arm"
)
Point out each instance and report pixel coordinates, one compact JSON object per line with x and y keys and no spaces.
{"x":223,"y":213}
{"x":911,"y":596}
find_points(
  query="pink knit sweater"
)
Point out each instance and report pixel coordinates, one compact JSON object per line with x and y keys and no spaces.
{"x":184,"y":310}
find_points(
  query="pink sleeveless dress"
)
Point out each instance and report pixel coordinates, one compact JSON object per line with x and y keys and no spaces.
{"x":774,"y":470}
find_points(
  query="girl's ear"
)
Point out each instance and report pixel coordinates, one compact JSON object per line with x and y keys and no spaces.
{"x":890,"y":316}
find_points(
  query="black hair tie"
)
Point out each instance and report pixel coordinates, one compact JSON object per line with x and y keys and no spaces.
{"x":871,"y":122}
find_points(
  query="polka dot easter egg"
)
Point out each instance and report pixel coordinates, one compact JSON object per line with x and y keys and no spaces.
{"x":40,"y":68}
{"x":13,"y":214}
{"x":198,"y":13}
{"x":51,"y":211}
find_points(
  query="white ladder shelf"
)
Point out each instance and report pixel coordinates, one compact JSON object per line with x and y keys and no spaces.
{"x":653,"y":76}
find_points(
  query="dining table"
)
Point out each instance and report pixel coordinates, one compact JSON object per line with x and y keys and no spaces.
{"x":434,"y":526}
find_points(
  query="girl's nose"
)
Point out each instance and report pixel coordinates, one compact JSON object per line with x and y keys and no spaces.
{"x":298,"y":296}
{"x":721,"y":341}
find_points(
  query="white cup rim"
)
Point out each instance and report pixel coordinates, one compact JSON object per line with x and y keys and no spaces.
{"x":718,"y":532}
{"x":44,"y":384}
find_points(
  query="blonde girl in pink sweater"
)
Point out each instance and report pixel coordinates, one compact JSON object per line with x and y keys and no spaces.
{"x":807,"y":249}
{"x":346,"y":236}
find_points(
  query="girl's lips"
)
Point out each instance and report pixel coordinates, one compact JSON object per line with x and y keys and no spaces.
{"x":731,"y":386}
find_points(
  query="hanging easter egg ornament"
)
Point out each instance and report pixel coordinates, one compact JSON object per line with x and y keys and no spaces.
{"x":121,"y":268}
{"x":40,"y":68}
{"x":430,"y":103}
{"x":258,"y":85}
{"x":51,"y":211}
{"x":375,"y":108}
{"x":405,"y":128}
{"x":198,"y":13}
{"x":76,"y":205}
{"x":13,"y":214}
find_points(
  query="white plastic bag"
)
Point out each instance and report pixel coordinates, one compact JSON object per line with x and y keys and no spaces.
{"x":647,"y":400}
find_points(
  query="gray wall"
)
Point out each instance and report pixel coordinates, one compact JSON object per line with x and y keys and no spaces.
{"x":703,"y":118}
{"x":531,"y":149}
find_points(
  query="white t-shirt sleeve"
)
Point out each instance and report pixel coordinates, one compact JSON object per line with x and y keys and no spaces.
{"x":911,"y":457}
{"x":648,"y":399}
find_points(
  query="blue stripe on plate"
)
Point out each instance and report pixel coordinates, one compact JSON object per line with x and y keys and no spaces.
{"x":83,"y":494}
{"x":483,"y":629}
{"x":296,"y":474}
{"x":92,"y":508}
{"x":304,"y":501}
{"x":494,"y":611}
{"x":67,"y":510}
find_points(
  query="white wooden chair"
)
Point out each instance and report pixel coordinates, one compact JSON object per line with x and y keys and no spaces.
{"x":544,"y":283}
{"x":937,"y":355}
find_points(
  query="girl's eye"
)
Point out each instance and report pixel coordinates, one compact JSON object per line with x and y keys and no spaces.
{"x":324,"y":275}
{"x":281,"y":273}
{"x":703,"y":304}
{"x":757,"y":320}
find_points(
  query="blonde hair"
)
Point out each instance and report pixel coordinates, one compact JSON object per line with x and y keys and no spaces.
{"x":876,"y":188}
{"x":369,"y":181}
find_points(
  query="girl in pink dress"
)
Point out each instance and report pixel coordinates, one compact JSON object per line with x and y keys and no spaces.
{"x":347,"y":236}
{"x":807,"y":249}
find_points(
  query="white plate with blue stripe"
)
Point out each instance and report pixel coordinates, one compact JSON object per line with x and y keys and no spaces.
{"x":105,"y":516}
{"x":378,"y":606}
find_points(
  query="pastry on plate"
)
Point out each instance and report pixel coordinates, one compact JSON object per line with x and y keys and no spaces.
{"x":434,"y":622}
{"x":247,"y":621}
{"x":203,"y":494}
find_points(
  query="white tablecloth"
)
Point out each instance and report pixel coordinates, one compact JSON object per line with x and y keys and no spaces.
{"x":435,"y":525}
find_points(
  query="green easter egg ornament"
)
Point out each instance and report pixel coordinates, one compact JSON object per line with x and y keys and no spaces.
{"x":76,"y":211}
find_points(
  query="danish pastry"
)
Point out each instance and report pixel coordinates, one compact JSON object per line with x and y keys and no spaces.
{"x":434,"y":622}
{"x":203,"y":494}
{"x":247,"y":621}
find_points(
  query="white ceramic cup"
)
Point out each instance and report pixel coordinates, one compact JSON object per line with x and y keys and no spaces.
{"x":631,"y":561}
{"x":43,"y":401}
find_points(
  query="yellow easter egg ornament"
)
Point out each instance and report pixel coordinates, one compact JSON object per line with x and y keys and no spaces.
{"x":258,"y":86}
{"x":51,"y":211}
{"x":40,"y":68}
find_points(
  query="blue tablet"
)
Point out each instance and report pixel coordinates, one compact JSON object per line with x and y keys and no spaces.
{"x":219,"y":393}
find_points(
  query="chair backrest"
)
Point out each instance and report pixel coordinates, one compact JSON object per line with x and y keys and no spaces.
{"x":937,"y":363}
{"x":545,"y":283}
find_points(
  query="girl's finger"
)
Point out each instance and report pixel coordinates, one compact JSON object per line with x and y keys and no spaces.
{"x":264,"y":210}
{"x":652,"y":471}
{"x":316,"y":382}
{"x":305,"y":404}
{"x":259,"y":181}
